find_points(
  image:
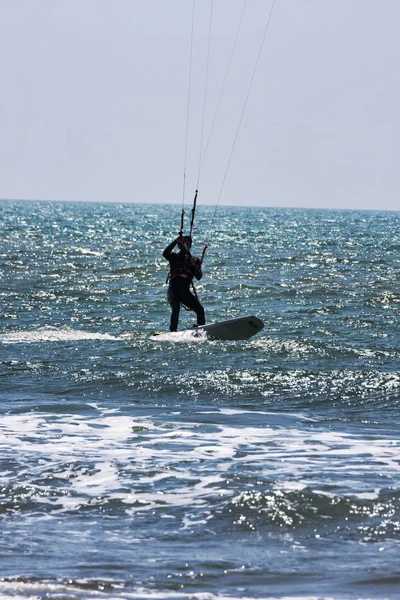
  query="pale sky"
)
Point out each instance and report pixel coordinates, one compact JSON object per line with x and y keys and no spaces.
{"x":94,"y":102}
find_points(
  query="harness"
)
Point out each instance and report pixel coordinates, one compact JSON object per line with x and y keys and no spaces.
{"x":181,"y":270}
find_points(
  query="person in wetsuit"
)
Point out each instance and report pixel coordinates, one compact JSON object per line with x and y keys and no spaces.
{"x":183,"y":267}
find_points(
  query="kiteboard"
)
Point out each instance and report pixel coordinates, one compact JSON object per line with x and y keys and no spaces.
{"x":240,"y":328}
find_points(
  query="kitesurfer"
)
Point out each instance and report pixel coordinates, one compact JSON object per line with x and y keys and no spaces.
{"x":183,"y":268}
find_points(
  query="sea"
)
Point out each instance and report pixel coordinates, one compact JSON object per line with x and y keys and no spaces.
{"x":171,"y":466}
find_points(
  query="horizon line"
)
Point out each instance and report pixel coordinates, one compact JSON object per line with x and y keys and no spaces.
{"x":208,"y":205}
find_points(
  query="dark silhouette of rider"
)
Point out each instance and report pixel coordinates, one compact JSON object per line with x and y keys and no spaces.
{"x":183,"y":268}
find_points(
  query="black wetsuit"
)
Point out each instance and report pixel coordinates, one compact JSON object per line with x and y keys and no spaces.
{"x":180,"y":277}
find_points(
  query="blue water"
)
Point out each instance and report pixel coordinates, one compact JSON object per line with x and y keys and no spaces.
{"x":135,"y":466}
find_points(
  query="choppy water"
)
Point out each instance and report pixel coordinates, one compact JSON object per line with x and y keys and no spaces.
{"x":134,"y":467}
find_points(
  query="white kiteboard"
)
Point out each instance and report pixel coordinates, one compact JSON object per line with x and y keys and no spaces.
{"x":241,"y":328}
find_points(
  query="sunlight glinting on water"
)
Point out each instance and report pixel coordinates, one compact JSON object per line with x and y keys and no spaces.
{"x":273,"y":461}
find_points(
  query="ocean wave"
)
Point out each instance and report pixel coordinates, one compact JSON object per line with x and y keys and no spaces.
{"x":325,"y":514}
{"x":22,"y":588}
{"x":295,"y":387}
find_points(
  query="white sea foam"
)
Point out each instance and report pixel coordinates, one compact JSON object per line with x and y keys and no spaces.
{"x":53,"y":334}
{"x":187,"y":335}
{"x":147,"y":466}
{"x":88,"y":252}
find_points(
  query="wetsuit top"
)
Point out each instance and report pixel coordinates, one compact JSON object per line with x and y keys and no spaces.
{"x":181,"y":265}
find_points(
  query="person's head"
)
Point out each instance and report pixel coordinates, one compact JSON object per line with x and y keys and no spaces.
{"x":187,"y":242}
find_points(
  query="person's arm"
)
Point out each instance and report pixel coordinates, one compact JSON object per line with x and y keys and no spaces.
{"x":196,"y":267}
{"x":168,"y":250}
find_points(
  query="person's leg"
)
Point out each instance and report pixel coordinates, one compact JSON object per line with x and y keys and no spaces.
{"x":175,"y":308}
{"x":201,"y":317}
{"x":192,"y":302}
